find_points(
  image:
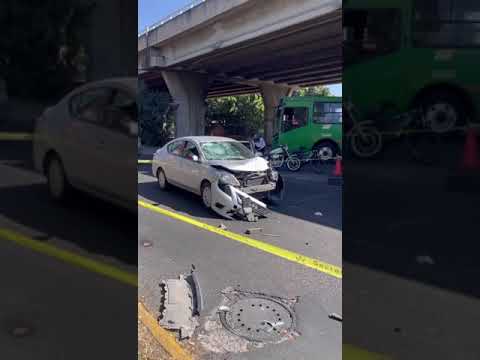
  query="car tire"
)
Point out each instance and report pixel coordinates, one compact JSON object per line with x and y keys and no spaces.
{"x":206,"y":192}
{"x":59,"y":188}
{"x":162,"y":180}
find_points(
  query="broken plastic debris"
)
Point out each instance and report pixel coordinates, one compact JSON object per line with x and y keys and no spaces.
{"x":335,"y":316}
{"x":221,"y":226}
{"x":251,"y":230}
{"x":318,"y":213}
{"x":180,"y":304}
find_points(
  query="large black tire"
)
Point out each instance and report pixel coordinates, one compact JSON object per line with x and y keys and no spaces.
{"x":443,"y":110}
{"x":325,"y":153}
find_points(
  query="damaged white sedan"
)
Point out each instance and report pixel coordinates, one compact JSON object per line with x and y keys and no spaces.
{"x":230,"y":179}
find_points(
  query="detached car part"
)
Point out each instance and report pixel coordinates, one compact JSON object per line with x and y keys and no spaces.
{"x":180,"y":304}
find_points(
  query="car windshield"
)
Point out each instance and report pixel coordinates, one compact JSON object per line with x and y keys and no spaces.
{"x":225,"y":150}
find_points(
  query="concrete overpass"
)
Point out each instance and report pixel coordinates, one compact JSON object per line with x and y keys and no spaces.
{"x":230,"y":47}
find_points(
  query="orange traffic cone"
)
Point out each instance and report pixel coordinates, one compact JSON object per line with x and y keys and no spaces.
{"x":470,"y":154}
{"x":338,"y":167}
{"x":467,"y":177}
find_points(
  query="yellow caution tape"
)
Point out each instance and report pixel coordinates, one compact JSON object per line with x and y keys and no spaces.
{"x":318,"y":265}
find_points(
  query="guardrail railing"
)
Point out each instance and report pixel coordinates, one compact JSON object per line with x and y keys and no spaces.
{"x":171,"y":16}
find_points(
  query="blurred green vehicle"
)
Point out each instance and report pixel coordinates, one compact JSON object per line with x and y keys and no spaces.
{"x":307,"y":123}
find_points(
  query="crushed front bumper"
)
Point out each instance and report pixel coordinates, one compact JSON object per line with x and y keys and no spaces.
{"x":232,"y":202}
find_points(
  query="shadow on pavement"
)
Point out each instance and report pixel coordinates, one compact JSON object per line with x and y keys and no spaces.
{"x":303,"y":200}
{"x":176,"y":199}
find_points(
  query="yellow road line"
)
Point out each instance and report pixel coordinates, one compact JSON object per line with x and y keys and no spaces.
{"x":166,"y":339}
{"x":318,"y":265}
{"x":70,"y":257}
{"x":351,"y":352}
{"x":144,"y":161}
{"x":13,"y":136}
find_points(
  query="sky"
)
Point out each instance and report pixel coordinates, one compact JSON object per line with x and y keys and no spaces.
{"x":151,"y":11}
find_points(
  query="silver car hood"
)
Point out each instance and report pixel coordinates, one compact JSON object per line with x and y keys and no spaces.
{"x":255,"y":164}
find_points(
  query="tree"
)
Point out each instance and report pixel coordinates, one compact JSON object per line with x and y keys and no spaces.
{"x":313,"y":91}
{"x":239,"y":115}
{"x":155,"y":116}
{"x":41,"y":44}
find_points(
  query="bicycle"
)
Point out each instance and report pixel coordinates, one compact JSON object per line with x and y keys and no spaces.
{"x":419,"y":133}
{"x":363,"y":137}
{"x":280,"y":156}
{"x":316,"y":157}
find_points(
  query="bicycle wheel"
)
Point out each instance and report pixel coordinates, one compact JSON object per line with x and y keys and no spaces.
{"x":294,"y":163}
{"x":366,"y":142}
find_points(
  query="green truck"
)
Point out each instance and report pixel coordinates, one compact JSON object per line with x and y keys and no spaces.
{"x":310,"y":123}
{"x":405,"y":54}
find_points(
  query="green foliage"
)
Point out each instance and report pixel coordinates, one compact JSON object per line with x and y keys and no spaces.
{"x":41,"y":45}
{"x":239,"y":115}
{"x":155,"y":116}
{"x":313,"y":91}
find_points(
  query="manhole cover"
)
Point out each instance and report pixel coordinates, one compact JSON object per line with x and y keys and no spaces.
{"x":259,"y":319}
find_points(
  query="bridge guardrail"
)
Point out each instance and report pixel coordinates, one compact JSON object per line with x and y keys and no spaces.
{"x":171,"y":16}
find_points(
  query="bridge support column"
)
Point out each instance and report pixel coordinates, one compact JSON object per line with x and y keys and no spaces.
{"x":271,"y":94}
{"x":189,"y":91}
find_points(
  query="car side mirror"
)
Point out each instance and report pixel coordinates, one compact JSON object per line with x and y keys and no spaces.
{"x":195,"y":158}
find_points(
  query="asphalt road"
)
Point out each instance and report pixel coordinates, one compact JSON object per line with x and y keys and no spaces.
{"x":410,"y":262}
{"x":222,"y":262}
{"x":67,"y":312}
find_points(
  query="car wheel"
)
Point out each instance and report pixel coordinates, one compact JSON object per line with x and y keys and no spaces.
{"x":58,"y":186}
{"x":162,"y":180}
{"x":207,"y":194}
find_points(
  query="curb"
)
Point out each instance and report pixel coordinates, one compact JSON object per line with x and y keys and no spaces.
{"x":166,"y":339}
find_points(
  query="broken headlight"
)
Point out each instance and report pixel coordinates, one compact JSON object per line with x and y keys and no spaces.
{"x":228,"y":179}
{"x":272,"y":174}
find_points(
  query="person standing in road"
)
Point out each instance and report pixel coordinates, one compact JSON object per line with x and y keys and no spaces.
{"x":259,"y":143}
